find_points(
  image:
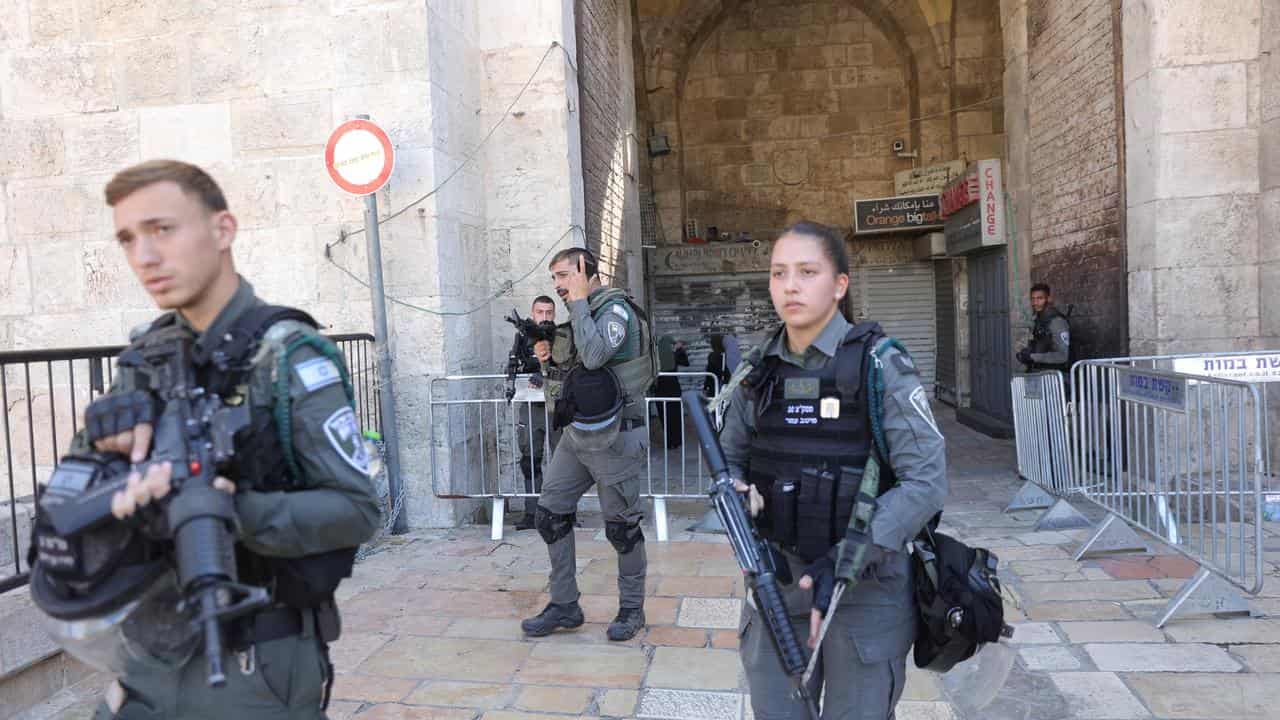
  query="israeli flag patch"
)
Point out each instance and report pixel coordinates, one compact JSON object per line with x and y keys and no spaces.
{"x":317,"y":373}
{"x":343,"y":432}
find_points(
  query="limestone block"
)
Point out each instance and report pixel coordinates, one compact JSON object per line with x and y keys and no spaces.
{"x":101,"y":143}
{"x":281,"y":262}
{"x":294,"y":123}
{"x":57,"y":275}
{"x":31,"y":147}
{"x":108,"y":280}
{"x":199,"y":134}
{"x":14,"y":26}
{"x":111,"y":20}
{"x":1227,"y":695}
{"x":1206,"y":292}
{"x":974,"y":123}
{"x":96,"y":326}
{"x":1202,"y":97}
{"x":1141,"y":109}
{"x":291,"y":54}
{"x":1195,"y":232}
{"x":306,"y":195}
{"x":1269,"y":155}
{"x":1195,"y":32}
{"x":56,"y":206}
{"x":1143,"y":236}
{"x":251,"y":189}
{"x":149,"y":71}
{"x":52,"y":81}
{"x":1140,"y":170}
{"x":1269,"y":225}
{"x":1268,"y":286}
{"x":52,"y":22}
{"x":1098,"y":695}
{"x":1136,"y":28}
{"x":15,"y":291}
{"x":217,"y":65}
{"x":1208,"y":163}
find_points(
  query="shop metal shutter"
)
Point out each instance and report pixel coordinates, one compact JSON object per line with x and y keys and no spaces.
{"x":902,"y":299}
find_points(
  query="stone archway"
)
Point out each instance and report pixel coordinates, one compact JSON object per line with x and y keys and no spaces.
{"x":675,"y":35}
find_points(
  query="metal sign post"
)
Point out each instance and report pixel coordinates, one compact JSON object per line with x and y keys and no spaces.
{"x":359,"y":157}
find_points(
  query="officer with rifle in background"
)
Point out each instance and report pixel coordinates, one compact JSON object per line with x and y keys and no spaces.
{"x":222,"y":484}
{"x":531,"y":418}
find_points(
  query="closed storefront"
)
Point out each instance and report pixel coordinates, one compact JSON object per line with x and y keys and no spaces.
{"x":944,"y":288}
{"x":901,"y":299}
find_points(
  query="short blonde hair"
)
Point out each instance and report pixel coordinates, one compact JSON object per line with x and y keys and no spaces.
{"x":191,"y":179}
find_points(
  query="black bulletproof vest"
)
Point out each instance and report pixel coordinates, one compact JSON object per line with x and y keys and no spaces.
{"x":1042,"y":338}
{"x":812,"y":441}
{"x":224,"y":368}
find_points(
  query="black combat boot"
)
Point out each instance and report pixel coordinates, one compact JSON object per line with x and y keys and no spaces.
{"x":628,"y":622}
{"x":553,"y":616}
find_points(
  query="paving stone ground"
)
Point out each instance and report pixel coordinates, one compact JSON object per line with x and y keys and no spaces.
{"x":432,"y":627}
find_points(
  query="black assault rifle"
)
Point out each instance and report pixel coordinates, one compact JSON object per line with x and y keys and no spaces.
{"x":196,"y":433}
{"x":754,"y":555}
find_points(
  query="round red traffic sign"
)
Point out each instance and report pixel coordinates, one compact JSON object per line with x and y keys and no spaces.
{"x":359,"y":157}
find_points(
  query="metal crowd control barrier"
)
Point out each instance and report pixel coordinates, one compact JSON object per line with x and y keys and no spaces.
{"x":43,"y":394}
{"x":1182,"y":457}
{"x":1040,"y":430}
{"x":479,"y":436}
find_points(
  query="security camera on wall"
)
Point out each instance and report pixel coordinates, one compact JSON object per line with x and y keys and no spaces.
{"x":899,"y":146}
{"x":900,"y":149}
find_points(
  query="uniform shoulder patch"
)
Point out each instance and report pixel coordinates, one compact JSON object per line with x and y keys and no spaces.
{"x":1065,"y":336}
{"x":343,"y":432}
{"x":317,"y":373}
{"x":620,"y":310}
{"x":920,"y":402}
{"x":615,"y":332}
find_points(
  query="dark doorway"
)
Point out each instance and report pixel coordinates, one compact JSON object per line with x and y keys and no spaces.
{"x":990,"y":347}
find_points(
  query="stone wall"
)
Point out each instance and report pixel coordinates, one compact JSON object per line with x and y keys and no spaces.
{"x":90,"y":86}
{"x":782,"y":110}
{"x":1076,"y":168}
{"x":606,"y":88}
{"x":977,"y":80}
{"x":1202,"y":173}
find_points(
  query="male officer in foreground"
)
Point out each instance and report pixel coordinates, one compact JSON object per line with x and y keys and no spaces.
{"x":601,"y":407}
{"x":531,"y":418}
{"x":1050,"y":344}
{"x":303,"y":496}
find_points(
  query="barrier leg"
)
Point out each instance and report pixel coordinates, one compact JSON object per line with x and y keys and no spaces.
{"x":1030,"y":497}
{"x":1112,"y":536}
{"x":1205,"y":593}
{"x":1061,"y":517}
{"x":660,"y":517}
{"x":495,"y":527}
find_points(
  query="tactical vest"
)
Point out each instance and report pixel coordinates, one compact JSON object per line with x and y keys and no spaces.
{"x":1042,"y":338}
{"x":812,"y":441}
{"x":263,"y":459}
{"x":633,"y":363}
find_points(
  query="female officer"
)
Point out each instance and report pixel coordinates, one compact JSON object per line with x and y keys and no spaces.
{"x":798,"y":432}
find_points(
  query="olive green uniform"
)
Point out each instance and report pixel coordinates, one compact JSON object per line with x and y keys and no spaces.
{"x":862,"y":671}
{"x":337,"y":507}
{"x":607,"y":332}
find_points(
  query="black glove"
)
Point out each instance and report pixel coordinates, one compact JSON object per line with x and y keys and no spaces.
{"x":1024,"y":356}
{"x":113,"y":414}
{"x":822,"y":572}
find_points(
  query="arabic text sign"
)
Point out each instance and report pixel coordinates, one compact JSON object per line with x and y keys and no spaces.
{"x":1169,"y":393}
{"x":1263,"y":367}
{"x":909,"y":212}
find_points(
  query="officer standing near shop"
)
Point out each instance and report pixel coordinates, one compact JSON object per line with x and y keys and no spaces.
{"x":531,"y":418}
{"x":798,"y":433}
{"x":1050,"y":344}
{"x":601,"y":407}
{"x":303,"y":498}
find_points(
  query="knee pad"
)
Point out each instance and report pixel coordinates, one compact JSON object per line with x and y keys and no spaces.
{"x":552,"y":526}
{"x":623,"y":535}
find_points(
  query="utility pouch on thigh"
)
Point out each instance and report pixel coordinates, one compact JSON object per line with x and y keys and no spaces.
{"x":781,"y":507}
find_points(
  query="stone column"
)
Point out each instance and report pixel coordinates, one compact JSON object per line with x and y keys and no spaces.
{"x":1017,"y":166}
{"x":1191,"y":68}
